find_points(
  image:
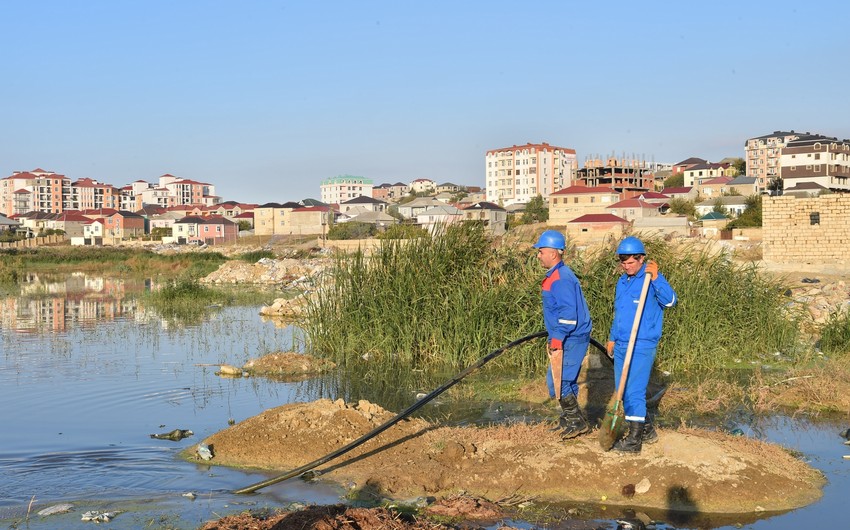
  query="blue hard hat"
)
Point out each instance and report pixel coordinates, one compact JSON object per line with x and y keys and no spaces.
{"x":551,"y":239}
{"x":631,"y":245}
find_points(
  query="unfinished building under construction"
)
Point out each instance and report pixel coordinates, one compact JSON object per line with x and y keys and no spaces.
{"x":629,"y":176}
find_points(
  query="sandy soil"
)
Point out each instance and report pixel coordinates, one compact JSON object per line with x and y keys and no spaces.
{"x":685,"y":470}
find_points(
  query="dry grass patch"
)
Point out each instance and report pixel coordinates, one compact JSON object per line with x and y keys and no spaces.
{"x":814,"y":389}
{"x":709,"y":396}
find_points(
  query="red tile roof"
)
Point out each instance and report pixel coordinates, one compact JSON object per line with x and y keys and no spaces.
{"x":599,"y":218}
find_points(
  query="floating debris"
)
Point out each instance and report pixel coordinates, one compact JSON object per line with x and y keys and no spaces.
{"x":309,"y":475}
{"x":229,"y":370}
{"x":99,"y":517}
{"x":190,"y":495}
{"x":845,"y":434}
{"x":204,"y":452}
{"x":176,"y":435}
{"x":56,"y":509}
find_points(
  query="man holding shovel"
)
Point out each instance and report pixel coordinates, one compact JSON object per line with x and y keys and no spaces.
{"x":567,"y":320}
{"x":629,"y":297}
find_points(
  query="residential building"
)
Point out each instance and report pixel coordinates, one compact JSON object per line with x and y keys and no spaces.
{"x":745,"y":186}
{"x":816,"y":159}
{"x":631,"y":209}
{"x":763,"y":155}
{"x":362,"y":204}
{"x":448,"y":187}
{"x":336,"y":190}
{"x":699,"y":173}
{"x":438,"y":217}
{"x":688,"y":193}
{"x":574,"y":201}
{"x":492,"y":215}
{"x":595,"y":226}
{"x":628,"y":176}
{"x":518,"y":174}
{"x":410,"y":210}
{"x":273,"y":218}
{"x":89,"y":194}
{"x":313,"y":220}
{"x":714,"y":187}
{"x":422,"y":186}
{"x":208,"y":230}
{"x":390,"y":192}
{"x":733,"y":204}
{"x":686,"y":164}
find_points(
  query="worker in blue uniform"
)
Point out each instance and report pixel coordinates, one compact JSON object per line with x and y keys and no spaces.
{"x":567,"y":320}
{"x":660,"y":296}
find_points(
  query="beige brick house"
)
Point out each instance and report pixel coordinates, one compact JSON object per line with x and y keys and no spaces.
{"x":575,"y":201}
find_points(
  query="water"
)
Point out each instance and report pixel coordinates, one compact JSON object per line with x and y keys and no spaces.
{"x":87,"y":374}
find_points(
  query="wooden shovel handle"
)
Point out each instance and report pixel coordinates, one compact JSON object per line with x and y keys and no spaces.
{"x":633,"y":337}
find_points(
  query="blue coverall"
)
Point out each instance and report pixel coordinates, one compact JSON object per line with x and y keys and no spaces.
{"x":626,"y":297}
{"x":567,"y":319}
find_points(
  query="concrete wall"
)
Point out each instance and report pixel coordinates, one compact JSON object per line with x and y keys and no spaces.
{"x":35,"y":242}
{"x":814,"y":230}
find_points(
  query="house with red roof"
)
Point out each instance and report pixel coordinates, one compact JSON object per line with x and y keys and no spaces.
{"x":596,"y":226}
{"x":714,"y":187}
{"x":574,"y":201}
{"x":631,"y":209}
{"x":209,"y":230}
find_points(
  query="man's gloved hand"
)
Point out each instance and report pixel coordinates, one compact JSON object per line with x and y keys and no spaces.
{"x":652,"y":269}
{"x":610,"y":348}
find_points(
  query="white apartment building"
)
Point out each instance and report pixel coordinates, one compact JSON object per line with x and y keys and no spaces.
{"x":816,"y":159}
{"x":336,"y":190}
{"x":515,"y":175}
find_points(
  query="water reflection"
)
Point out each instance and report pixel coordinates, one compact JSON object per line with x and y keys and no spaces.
{"x":49,"y":303}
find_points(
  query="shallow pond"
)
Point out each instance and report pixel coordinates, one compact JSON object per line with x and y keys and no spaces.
{"x":87,"y":374}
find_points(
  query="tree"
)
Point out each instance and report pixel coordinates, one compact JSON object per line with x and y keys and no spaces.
{"x":719,"y":208}
{"x":751,"y":216}
{"x":244,"y":225}
{"x":741,"y":165}
{"x":775,"y":186}
{"x":536,"y":211}
{"x":351,"y":230}
{"x":675,"y":181}
{"x":683,"y":207}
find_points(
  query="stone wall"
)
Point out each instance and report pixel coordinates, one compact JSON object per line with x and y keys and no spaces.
{"x":813,"y":230}
{"x":35,"y":242}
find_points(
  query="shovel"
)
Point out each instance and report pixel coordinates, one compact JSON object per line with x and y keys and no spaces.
{"x":557,"y":362}
{"x":613,"y":423}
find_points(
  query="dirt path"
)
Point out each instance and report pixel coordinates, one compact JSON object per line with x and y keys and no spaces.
{"x":686,"y":470}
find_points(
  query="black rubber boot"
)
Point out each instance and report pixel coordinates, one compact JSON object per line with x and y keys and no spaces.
{"x":572,"y":422}
{"x":632,"y":441}
{"x":650,"y":436}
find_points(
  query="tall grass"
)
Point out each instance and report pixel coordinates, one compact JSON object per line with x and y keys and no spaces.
{"x":449,"y":299}
{"x":728,"y":314}
{"x":426,"y":301}
{"x":112,"y":260}
{"x":835,"y":334}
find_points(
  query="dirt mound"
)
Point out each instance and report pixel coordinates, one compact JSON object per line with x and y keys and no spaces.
{"x":685,"y":470}
{"x":287,"y":365}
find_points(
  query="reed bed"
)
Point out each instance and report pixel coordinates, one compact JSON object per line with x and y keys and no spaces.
{"x":444,"y":300}
{"x":450,"y":299}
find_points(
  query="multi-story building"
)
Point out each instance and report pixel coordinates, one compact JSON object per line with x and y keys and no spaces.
{"x":422,"y":186}
{"x":628,"y":176}
{"x":344,"y":187}
{"x":46,"y":191}
{"x":816,"y":159}
{"x":520,"y":173}
{"x":763,"y":155}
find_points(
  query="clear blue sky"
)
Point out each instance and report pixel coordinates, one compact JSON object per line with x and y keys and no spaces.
{"x":265,"y":99}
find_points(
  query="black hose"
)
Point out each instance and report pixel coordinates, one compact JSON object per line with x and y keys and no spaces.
{"x":381,"y":428}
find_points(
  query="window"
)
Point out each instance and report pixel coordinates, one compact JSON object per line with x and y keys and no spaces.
{"x":814,"y":218}
{"x":817,"y":156}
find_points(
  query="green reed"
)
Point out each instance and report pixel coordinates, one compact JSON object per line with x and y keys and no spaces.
{"x":835,"y":334}
{"x":444,"y":300}
{"x":450,"y":299}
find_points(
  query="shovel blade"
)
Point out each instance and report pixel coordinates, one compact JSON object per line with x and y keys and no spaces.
{"x":613,"y":424}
